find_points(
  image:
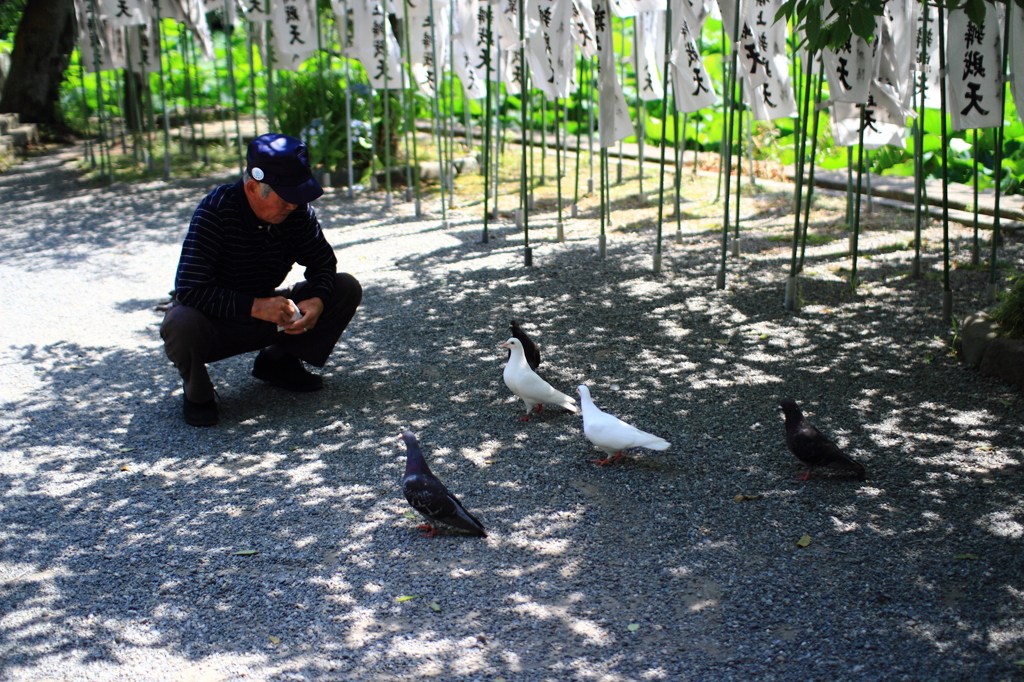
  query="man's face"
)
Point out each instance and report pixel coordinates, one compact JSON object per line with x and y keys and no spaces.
{"x":273,"y":209}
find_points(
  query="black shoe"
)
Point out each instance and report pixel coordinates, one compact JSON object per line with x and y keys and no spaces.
{"x":200,"y":414}
{"x":287,"y":373}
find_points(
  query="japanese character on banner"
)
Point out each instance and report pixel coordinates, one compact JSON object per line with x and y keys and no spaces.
{"x":851,"y":68}
{"x":753,"y":45}
{"x":255,"y":10}
{"x":98,"y":40}
{"x":885,"y":119}
{"x":143,"y":55}
{"x":124,"y":12}
{"x":465,"y":49}
{"x":294,"y":27}
{"x":426,"y":43}
{"x":926,"y":34}
{"x":582,"y":28}
{"x":549,"y":49}
{"x":613,"y":119}
{"x":651,"y":27}
{"x":973,"y":71}
{"x":690,"y":80}
{"x":774,"y":98}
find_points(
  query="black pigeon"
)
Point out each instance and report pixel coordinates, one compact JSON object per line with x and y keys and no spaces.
{"x":530,"y":349}
{"x":811,"y":447}
{"x":429,"y":497}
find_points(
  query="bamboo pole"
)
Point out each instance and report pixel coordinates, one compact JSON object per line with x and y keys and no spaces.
{"x":947,"y":293}
{"x":664,"y":129}
{"x":991,"y":293}
{"x":855,"y":235}
{"x":727,"y":143}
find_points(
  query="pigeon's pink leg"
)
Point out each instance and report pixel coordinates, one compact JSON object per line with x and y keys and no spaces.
{"x":526,"y":418}
{"x":538,"y":407}
{"x":608,"y":460}
{"x":805,"y":477}
{"x":427,"y":527}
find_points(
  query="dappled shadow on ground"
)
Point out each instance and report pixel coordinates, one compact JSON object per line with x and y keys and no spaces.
{"x":122,"y":524}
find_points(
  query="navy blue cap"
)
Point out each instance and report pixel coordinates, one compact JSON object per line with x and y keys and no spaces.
{"x":282,"y":162}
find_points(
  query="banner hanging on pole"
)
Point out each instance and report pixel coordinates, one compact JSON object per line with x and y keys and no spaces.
{"x":614,"y":123}
{"x":973,"y":71}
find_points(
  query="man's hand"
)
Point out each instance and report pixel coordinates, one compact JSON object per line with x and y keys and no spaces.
{"x":276,"y":309}
{"x":311,"y":309}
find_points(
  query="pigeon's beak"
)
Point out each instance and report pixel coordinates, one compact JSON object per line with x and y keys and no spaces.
{"x":505,"y":345}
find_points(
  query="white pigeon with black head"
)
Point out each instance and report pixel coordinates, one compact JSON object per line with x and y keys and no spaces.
{"x":528,"y":385}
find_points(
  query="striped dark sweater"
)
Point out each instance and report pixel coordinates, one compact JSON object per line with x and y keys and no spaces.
{"x":229,"y":258}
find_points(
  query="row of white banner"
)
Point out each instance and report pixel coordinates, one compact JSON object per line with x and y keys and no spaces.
{"x":880,"y":75}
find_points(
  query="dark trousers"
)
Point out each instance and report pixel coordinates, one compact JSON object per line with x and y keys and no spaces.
{"x":192,"y":339}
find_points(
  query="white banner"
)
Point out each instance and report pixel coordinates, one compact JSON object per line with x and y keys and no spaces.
{"x":294,"y":27}
{"x":975,"y":89}
{"x":850,"y":69}
{"x":124,"y":12}
{"x":614,"y":123}
{"x":1016,"y":46}
{"x":885,"y":119}
{"x":426,"y":44}
{"x":142,"y":48}
{"x":583,"y":31}
{"x":256,"y":10}
{"x":690,"y":80}
{"x":650,"y":59}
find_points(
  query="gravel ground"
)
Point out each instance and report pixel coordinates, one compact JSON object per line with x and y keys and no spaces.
{"x":121,"y":524}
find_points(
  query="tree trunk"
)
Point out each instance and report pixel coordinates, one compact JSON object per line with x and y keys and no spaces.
{"x":42,"y":51}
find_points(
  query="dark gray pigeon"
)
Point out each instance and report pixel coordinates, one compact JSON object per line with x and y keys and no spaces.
{"x":429,"y":497}
{"x":811,"y":447}
{"x":530,"y":349}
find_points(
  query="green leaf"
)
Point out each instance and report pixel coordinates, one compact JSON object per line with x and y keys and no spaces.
{"x":246,"y":552}
{"x":804,"y":541}
{"x":975,"y":10}
{"x":407,"y":597}
{"x":633,"y":627}
{"x":966,"y":556}
{"x":863,"y":24}
{"x":435,"y":606}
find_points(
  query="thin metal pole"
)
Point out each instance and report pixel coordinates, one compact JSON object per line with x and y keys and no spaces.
{"x":348,"y":105}
{"x":856,"y":214}
{"x":252,"y":78}
{"x":999,"y":152}
{"x":106,"y":168}
{"x":974,"y":241}
{"x":85,"y":112}
{"x":664,"y":135}
{"x":558,"y":175}
{"x":163,"y":93}
{"x":524,"y":77}
{"x":229,"y":30}
{"x":801,"y":129}
{"x":727,"y":143}
{"x":947,"y":294}
{"x":810,"y":175}
{"x":437,"y":110}
{"x":919,"y":180}
{"x":590,"y":129}
{"x":413,"y":163}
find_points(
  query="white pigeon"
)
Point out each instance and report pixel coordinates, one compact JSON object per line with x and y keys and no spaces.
{"x":611,"y":434}
{"x":525,"y":383}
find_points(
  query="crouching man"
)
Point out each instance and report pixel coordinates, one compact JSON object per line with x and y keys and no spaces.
{"x":241,"y":244}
